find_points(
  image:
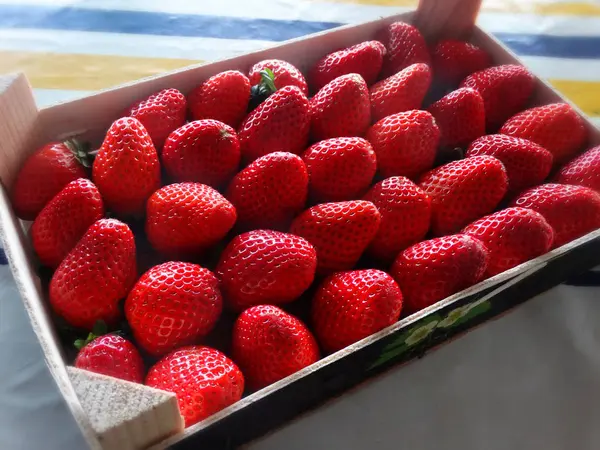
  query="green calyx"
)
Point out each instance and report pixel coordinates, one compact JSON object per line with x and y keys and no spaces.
{"x":99,"y":329}
{"x":81,"y":151}
{"x":263,"y":89}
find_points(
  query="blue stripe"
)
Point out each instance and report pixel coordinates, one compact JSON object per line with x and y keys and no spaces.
{"x":579,"y":47}
{"x":3,"y":260}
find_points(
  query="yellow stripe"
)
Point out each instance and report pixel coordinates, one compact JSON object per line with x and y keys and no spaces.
{"x":585,"y":94}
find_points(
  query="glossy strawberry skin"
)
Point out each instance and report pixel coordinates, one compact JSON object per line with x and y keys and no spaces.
{"x":95,"y":275}
{"x":270,"y":344}
{"x":223,"y":97}
{"x":405,"y":46}
{"x":64,"y":220}
{"x":453,"y":61}
{"x":463,"y":191}
{"x":583,"y":170}
{"x":265,"y":267}
{"x":339,"y":168}
{"x":435,"y":269}
{"x":349,"y":306}
{"x":114,"y":356}
{"x":204,"y":380}
{"x":285,"y":74}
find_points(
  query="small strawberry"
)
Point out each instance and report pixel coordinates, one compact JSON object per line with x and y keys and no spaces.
{"x":341,"y":108}
{"x":583,"y":170}
{"x":265,"y":267}
{"x":184,"y":219}
{"x":270,"y":344}
{"x":204,"y":151}
{"x":432,"y":270}
{"x":339,"y":168}
{"x":400,"y":92}
{"x":223,"y":97}
{"x":284,"y":74}
{"x":204,"y":380}
{"x":405,"y":46}
{"x":340,"y":232}
{"x":64,"y":220}
{"x":270,"y":191}
{"x":405,"y":143}
{"x":349,"y":306}
{"x":453,"y":60}
{"x":463,"y":191}
{"x":95,"y":275}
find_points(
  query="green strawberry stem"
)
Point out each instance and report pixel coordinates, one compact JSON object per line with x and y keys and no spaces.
{"x":263,"y":89}
{"x":99,"y":329}
{"x":81,"y":151}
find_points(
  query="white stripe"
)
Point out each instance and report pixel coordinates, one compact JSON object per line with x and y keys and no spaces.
{"x":495,"y":22}
{"x":47,"y":97}
{"x":563,"y":68}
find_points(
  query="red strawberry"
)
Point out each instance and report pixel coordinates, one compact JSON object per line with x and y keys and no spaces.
{"x":280,"y":124}
{"x":453,"y":60}
{"x":583,"y":170}
{"x":64,"y":220}
{"x":405,"y":216}
{"x":43,"y":175}
{"x":95,"y":275}
{"x":364,"y":59}
{"x":512,"y":237}
{"x":527,"y":164}
{"x":173,"y":304}
{"x":349,"y":306}
{"x":187,"y":218}
{"x":223,"y":97}
{"x":265,"y":267}
{"x":340,"y":168}
{"x":341,"y":108}
{"x":556,"y":127}
{"x":405,"y":143}
{"x":285,"y":74}
{"x":126,"y":169}
{"x":160,"y":114}
{"x":270,"y":344}
{"x":400,"y":92}
{"x":571,"y":211}
{"x":204,"y":380}
{"x":340,"y":232}
{"x":460,"y":115}
{"x":270,"y":191}
{"x":205,"y":151}
{"x":405,"y":45}
{"x":432,"y":270}
{"x":504,"y":89}
{"x":463,"y":191}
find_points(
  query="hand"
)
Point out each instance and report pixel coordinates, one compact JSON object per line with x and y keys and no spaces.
{"x":446,"y":18}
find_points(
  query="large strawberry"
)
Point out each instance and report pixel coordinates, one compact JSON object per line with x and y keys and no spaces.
{"x":126,"y":169}
{"x":463,"y":191}
{"x":340,"y":232}
{"x":270,"y":344}
{"x":341,"y":108}
{"x":284,"y":74}
{"x":583,"y":170}
{"x":204,"y":380}
{"x":95,"y":275}
{"x":435,"y":269}
{"x":405,"y":46}
{"x":184,"y":219}
{"x":454,"y":60}
{"x":265,"y":267}
{"x":64,"y":220}
{"x":349,"y":306}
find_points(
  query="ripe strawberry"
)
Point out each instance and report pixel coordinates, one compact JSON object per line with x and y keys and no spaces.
{"x":453,"y":60}
{"x":280,"y":124}
{"x":556,"y":127}
{"x":95,"y":275}
{"x":223,"y":97}
{"x":460,"y":115}
{"x":364,"y":59}
{"x":340,"y":232}
{"x":204,"y":380}
{"x":126,"y":169}
{"x":339,"y":168}
{"x":265,"y":267}
{"x":504,"y":89}
{"x":204,"y":151}
{"x":64,"y":220}
{"x":349,"y":306}
{"x":400,"y":92}
{"x":270,"y":344}
{"x":405,"y":143}
{"x":270,"y":191}
{"x":184,"y":219}
{"x":172,"y":305}
{"x":160,"y":114}
{"x":285,"y":74}
{"x":341,"y":108}
{"x":527,"y":163}
{"x":405,"y":216}
{"x":432,"y":270}
{"x":463,"y":191}
{"x":512,"y":237}
{"x":571,"y":211}
{"x":583,"y":170}
{"x":44,"y":174}
{"x":405,"y":45}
